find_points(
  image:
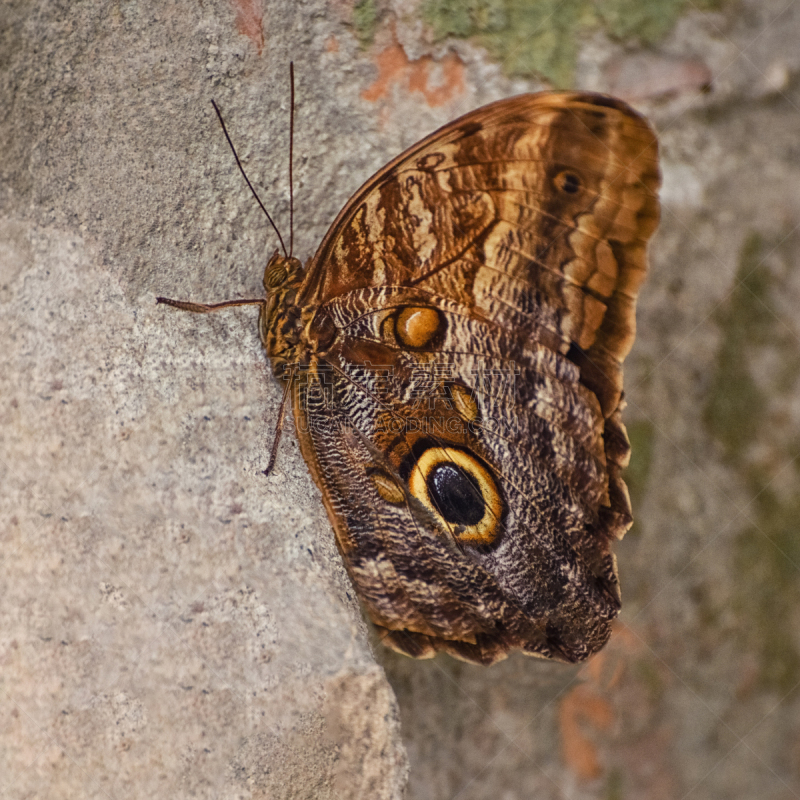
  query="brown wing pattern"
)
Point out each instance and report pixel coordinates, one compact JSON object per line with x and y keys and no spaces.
{"x":469,"y":312}
{"x":493,"y":189}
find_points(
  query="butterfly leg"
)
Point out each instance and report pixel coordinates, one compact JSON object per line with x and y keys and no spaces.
{"x":278,"y":429}
{"x":205,"y":308}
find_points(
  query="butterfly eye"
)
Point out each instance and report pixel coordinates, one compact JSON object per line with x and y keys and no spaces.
{"x":568,"y":182}
{"x":275,"y":276}
{"x":458,"y":489}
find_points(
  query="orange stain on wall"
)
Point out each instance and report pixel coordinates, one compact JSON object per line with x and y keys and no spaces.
{"x":395,"y":67}
{"x":588,"y":706}
{"x":583,"y":705}
{"x":249,"y":21}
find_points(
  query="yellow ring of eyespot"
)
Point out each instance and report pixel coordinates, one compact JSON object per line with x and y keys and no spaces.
{"x":481,"y":533}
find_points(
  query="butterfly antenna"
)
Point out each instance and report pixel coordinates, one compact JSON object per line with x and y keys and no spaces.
{"x":247,"y":180}
{"x":291,"y":160}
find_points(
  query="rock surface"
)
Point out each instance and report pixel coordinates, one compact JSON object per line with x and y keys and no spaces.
{"x":176,"y":625}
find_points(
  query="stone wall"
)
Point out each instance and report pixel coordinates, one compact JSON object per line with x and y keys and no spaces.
{"x":174,"y":624}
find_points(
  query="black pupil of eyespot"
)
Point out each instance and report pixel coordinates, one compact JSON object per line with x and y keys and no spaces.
{"x":455,"y":495}
{"x":570,"y":183}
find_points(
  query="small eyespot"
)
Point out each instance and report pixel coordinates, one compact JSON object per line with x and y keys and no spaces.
{"x":464,"y":402}
{"x":387,"y":488}
{"x":568,"y":182}
{"x":430,"y":162}
{"x":414,"y":327}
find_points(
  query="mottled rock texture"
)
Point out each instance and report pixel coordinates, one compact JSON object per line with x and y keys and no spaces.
{"x":174,"y":624}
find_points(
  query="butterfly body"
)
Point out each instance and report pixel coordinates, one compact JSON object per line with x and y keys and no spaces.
{"x":453,"y":352}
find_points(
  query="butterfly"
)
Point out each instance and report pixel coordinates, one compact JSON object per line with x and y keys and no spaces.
{"x":452,"y":354}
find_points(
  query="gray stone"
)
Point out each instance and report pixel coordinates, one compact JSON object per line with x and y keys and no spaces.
{"x":174,"y":624}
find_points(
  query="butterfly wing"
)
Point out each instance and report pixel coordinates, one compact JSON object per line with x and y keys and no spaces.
{"x":460,"y":394}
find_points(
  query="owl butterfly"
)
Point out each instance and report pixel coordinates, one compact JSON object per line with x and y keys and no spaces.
{"x":453,"y":356}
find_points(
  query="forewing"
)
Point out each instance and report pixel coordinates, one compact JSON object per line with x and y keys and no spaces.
{"x":533,"y":212}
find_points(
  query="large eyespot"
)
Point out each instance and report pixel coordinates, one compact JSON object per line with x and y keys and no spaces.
{"x":458,"y":489}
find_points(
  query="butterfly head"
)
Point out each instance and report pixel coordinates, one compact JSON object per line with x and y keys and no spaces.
{"x":282,"y":272}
